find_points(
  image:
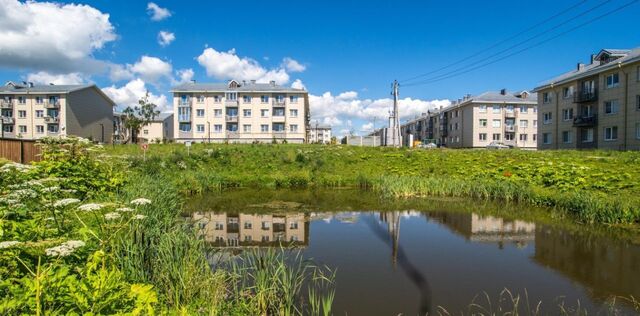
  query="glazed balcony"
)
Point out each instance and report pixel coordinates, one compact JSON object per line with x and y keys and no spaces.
{"x":231,"y":118}
{"x":278,"y":103}
{"x":8,"y":120}
{"x":585,"y":121}
{"x":51,"y":120}
{"x":52,"y":105}
{"x":585,"y":96}
{"x":231,"y":103}
{"x":6,"y":104}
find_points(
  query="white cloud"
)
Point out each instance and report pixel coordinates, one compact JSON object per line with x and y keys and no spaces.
{"x":297,"y":84}
{"x":184,"y":75}
{"x":165,"y":38}
{"x":151,"y":69}
{"x":156,"y":12}
{"x":367,"y":127}
{"x":43,"y":77}
{"x":130,"y":94}
{"x":119,"y":72}
{"x":53,"y":37}
{"x":227,"y":65}
{"x":293,"y":65}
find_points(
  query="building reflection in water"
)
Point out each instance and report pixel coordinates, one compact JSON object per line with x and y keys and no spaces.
{"x":250,"y":230}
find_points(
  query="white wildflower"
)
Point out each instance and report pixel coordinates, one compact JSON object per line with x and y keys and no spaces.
{"x":182,"y":165}
{"x":65,"y":202}
{"x":90,"y":207}
{"x":23,"y":193}
{"x":139,"y":217}
{"x":111,"y":216}
{"x":69,"y":191}
{"x":34,"y":183}
{"x":15,"y":167}
{"x":9,"y":244}
{"x":65,"y":249}
{"x":124,"y":209}
{"x":51,"y":189}
{"x":9,"y":201}
{"x":141,"y":201}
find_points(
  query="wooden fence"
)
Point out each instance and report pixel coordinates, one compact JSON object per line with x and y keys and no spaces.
{"x":19,"y":150}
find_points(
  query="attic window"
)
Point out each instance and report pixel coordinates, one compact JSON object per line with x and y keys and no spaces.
{"x":233,"y":84}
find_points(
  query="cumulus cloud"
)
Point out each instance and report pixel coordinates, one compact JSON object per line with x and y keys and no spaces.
{"x":151,"y":69}
{"x":43,"y":77}
{"x":184,"y":75}
{"x":348,"y":107}
{"x":367,"y":127}
{"x":53,"y":37}
{"x":156,"y":12}
{"x":297,"y":84}
{"x":165,"y":38}
{"x":228,"y":65}
{"x":130,"y":94}
{"x":293,"y":65}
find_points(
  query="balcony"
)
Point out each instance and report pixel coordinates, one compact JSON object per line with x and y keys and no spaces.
{"x":233,"y":134}
{"x":279,"y":134}
{"x":231,"y":103}
{"x":52,"y":105}
{"x":51,"y":120}
{"x":510,"y":114}
{"x":6,"y":104}
{"x":184,"y":118}
{"x":278,"y":118}
{"x":8,"y":120}
{"x":586,"y":96}
{"x":585,"y":121}
{"x":231,"y":118}
{"x":185,"y":103}
{"x":510,"y":128}
{"x":278,"y":103}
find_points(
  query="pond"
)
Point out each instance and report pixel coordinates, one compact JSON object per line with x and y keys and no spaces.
{"x":414,"y":256}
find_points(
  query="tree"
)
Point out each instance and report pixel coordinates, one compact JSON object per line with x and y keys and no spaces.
{"x":139,"y":116}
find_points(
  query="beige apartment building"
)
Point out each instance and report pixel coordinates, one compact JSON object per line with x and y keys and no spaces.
{"x":240,"y":112}
{"x":477,"y":121}
{"x":31,"y":111}
{"x":159,"y":130}
{"x":593,"y":106}
{"x":320,"y":134}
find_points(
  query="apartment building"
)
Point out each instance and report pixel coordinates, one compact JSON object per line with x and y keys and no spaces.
{"x":320,"y":134}
{"x":593,"y":106}
{"x":159,"y":130}
{"x":240,"y":112}
{"x":476,"y":121}
{"x":31,"y":111}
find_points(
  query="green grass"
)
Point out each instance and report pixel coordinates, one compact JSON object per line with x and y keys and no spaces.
{"x":592,"y":186}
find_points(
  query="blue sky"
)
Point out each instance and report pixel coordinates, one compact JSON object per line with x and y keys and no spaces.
{"x":346,"y":53}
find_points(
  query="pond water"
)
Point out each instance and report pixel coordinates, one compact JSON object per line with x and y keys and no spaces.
{"x":412,"y":256}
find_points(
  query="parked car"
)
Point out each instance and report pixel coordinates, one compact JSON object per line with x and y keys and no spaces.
{"x":497,"y":145}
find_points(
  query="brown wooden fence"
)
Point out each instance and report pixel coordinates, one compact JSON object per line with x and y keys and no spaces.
{"x":19,"y":150}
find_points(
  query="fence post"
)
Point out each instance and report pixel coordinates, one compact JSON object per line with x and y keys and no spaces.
{"x":21,"y":151}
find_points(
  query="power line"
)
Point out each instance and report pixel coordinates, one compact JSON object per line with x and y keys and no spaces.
{"x":540,"y":34}
{"x":498,"y":43}
{"x":526,"y":48}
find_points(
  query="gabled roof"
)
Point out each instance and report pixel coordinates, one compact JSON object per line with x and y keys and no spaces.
{"x":242,"y":87}
{"x":12,"y":87}
{"x":625,"y":56}
{"x":498,"y":97}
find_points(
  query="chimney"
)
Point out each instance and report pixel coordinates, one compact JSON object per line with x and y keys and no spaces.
{"x":580,"y":66}
{"x":30,"y":84}
{"x":503,"y":91}
{"x":272,"y":83}
{"x":244,"y":82}
{"x":593,"y":58}
{"x":468,"y":96}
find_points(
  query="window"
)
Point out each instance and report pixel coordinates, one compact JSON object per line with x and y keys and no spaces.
{"x":278,"y":112}
{"x":509,"y":136}
{"x":637,"y":130}
{"x":246,"y":99}
{"x":232,"y":127}
{"x":567,"y":114}
{"x":184,"y":114}
{"x":264,"y":98}
{"x":22,"y":128}
{"x":200,"y":112}
{"x":264,"y":113}
{"x":246,"y":128}
{"x":456,"y":126}
{"x":200,"y":128}
{"x":231,"y":96}
{"x":482,"y":137}
{"x":293,"y":128}
{"x":293,"y":113}
{"x":638,"y":103}
{"x":22,"y":113}
{"x":52,"y":128}
{"x":217,"y":112}
{"x":278,"y":127}
{"x":611,"y":133}
{"x":587,"y":135}
{"x":523,"y":137}
{"x":567,"y":92}
{"x":246,"y":113}
{"x":566,"y":137}
{"x":456,"y":113}
{"x":535,"y":137}
{"x":39,"y":113}
{"x":217,"y":128}
{"x":232,"y":112}
{"x":613,"y":80}
{"x":293,"y":99}
{"x":496,"y":109}
{"x":248,"y":225}
{"x":200,"y":99}
{"x":524,"y":109}
{"x":510,"y":108}
{"x":7,"y":128}
{"x":546,"y":138}
{"x":39,"y":129}
{"x":217,"y":98}
{"x":293,"y":225}
{"x":457,"y":139}
{"x":483,"y":122}
{"x":146,"y":132}
{"x":264,"y":128}
{"x":22,"y":100}
{"x":548,"y":118}
{"x":496,"y":137}
{"x":496,"y":123}
{"x":185,"y":127}
{"x":546,"y":98}
{"x":535,"y":123}
{"x":524,"y":123}
{"x":482,"y":109}
{"x":611,"y":107}
{"x":39,"y":100}
{"x":219,"y":226}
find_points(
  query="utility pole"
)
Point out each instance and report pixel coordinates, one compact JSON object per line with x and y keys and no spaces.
{"x":395,"y":119}
{"x":317,"y":140}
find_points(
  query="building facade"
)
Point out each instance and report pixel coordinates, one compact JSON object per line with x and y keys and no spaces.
{"x":159,"y":130}
{"x":477,"y":121}
{"x":595,"y":106}
{"x":31,"y":111}
{"x":240,"y":112}
{"x":320,"y":134}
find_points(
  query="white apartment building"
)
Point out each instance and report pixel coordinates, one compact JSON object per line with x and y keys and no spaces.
{"x":240,"y":112}
{"x":320,"y":134}
{"x":31,"y":111}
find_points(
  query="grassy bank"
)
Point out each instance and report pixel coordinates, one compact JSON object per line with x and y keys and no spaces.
{"x":593,"y":186}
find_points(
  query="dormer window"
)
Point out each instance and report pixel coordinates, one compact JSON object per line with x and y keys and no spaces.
{"x":233,"y":84}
